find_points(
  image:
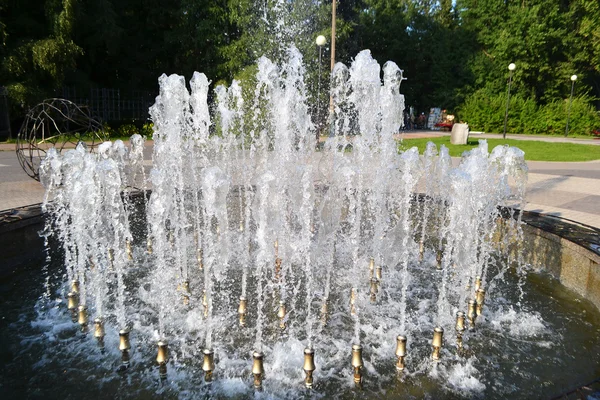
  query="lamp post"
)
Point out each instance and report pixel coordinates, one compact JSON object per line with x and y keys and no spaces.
{"x":573,"y":79}
{"x":320,"y":42}
{"x":511,"y":68}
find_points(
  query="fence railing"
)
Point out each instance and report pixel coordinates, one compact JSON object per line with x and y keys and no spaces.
{"x":110,"y":104}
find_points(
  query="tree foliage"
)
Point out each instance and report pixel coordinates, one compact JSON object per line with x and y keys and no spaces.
{"x":452,"y":52}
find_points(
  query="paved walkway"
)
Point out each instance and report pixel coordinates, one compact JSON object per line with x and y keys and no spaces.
{"x":566,"y":190}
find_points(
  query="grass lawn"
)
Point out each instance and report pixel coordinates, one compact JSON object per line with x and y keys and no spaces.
{"x":534,"y":150}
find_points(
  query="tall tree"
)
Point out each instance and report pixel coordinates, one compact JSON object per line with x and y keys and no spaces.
{"x":37,"y":47}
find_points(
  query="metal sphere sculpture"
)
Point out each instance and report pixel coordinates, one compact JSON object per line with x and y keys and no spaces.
{"x":55,"y":123}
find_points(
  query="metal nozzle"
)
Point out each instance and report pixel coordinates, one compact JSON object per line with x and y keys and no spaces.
{"x":374,"y":289}
{"x":163,"y":352}
{"x":278,"y":269}
{"x":99,"y":330}
{"x":460,"y":321}
{"x":480,"y":298}
{"x":128,"y":249}
{"x":357,"y":363}
{"x":477,"y":283}
{"x":378,"y":273}
{"x":73,"y":301}
{"x":438,"y":334}
{"x":438,"y":258}
{"x":281,"y":315}
{"x":257,"y":368}
{"x":208,"y":364}
{"x":149,"y":245}
{"x":75,"y":286}
{"x":242,"y":310}
{"x":82,"y":317}
{"x":472,"y":313}
{"x":124,"y":346}
{"x":371,"y":267}
{"x":309,"y":366}
{"x":111,"y":257}
{"x":185,"y":287}
{"x":460,"y":328}
{"x":400,"y":351}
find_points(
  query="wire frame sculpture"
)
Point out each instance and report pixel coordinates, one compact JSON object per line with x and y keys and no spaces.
{"x":57,"y":123}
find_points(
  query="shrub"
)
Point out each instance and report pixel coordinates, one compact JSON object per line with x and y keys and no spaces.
{"x":485,"y":112}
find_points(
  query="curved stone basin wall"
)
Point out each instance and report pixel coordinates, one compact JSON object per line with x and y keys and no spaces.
{"x":575,"y":266}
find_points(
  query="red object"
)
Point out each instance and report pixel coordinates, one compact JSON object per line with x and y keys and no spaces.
{"x":596,"y":132}
{"x":444,"y":125}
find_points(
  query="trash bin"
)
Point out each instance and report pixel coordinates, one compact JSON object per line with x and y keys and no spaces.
{"x":459,"y":134}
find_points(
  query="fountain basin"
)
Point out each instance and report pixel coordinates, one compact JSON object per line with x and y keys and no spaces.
{"x":557,"y":331}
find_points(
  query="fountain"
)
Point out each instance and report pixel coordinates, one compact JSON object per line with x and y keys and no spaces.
{"x":255,"y":263}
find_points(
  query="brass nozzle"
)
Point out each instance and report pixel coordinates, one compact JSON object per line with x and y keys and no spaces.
{"x":149,"y":245}
{"x":257,"y":368}
{"x":99,"y":329}
{"x":378,"y":273}
{"x":460,"y":328}
{"x":460,"y":321}
{"x":208,"y":364}
{"x":281,"y":315}
{"x":374,"y":289}
{"x":309,"y":366}
{"x":163,"y":352}
{"x":73,"y":301}
{"x":185,"y":287}
{"x":124,"y":346}
{"x":357,"y":363}
{"x":82,"y":316}
{"x":75,"y":286}
{"x":353,"y":301}
{"x":371,"y":267}
{"x":400,"y":351}
{"x":242,"y":310}
{"x":111,"y":257}
{"x":472,"y":313}
{"x":438,"y":258}
{"x":479,"y":299}
{"x":477,"y":283}
{"x":128,"y":249}
{"x":438,"y":334}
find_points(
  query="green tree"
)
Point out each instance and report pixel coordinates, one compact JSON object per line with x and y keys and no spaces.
{"x":37,"y":47}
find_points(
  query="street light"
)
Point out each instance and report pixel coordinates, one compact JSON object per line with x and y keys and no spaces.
{"x":511,"y":68}
{"x":573,"y":79}
{"x":320,"y":42}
